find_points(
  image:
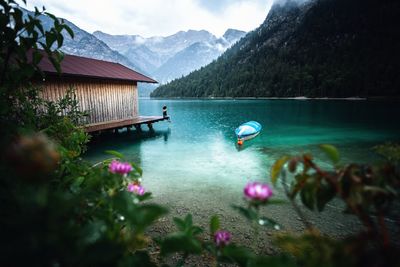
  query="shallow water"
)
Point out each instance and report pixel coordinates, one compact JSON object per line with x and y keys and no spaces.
{"x":193,"y":162}
{"x":199,"y":143}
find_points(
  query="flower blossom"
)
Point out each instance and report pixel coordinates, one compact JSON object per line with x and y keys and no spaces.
{"x":136,"y":188}
{"x":119,"y":167}
{"x":257,"y":191}
{"x":222,"y":238}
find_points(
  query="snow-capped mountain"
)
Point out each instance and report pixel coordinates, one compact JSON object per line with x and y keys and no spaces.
{"x":86,"y":45}
{"x":163,"y":58}
{"x":157,"y":50}
{"x":167,"y":58}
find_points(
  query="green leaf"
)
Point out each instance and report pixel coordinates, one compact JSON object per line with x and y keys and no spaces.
{"x":115,"y":154}
{"x":180,"y":224}
{"x":325,"y":193}
{"x":210,"y":247}
{"x":277,"y":167}
{"x":50,"y":39}
{"x":60,"y":40}
{"x":239,"y":255}
{"x":141,"y":258}
{"x":39,"y":26}
{"x":37,"y":57}
{"x":137,"y":168}
{"x":180,"y":242}
{"x":186,"y":225}
{"x":331,"y":152}
{"x":214,"y":224}
{"x":75,"y":186}
{"x":145,"y":215}
{"x":277,"y":202}
{"x":56,"y":64}
{"x":195,"y":230}
{"x":145,"y":196}
{"x":189,"y":220}
{"x":307,"y":195}
{"x":298,"y":184}
{"x":69,"y":30}
{"x":247,"y":213}
{"x":51,"y":16}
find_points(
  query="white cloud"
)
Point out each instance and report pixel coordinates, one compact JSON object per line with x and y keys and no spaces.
{"x":157,"y":17}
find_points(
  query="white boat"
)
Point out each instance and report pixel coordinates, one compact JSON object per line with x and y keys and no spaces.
{"x":248,"y":130}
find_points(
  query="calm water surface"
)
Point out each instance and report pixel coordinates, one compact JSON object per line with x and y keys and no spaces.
{"x":200,"y":139}
{"x":194,"y":159}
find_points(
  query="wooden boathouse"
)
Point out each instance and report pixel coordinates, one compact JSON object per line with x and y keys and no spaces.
{"x":107,"y":91}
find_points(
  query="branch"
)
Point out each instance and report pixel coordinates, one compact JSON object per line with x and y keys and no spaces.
{"x":296,"y":208}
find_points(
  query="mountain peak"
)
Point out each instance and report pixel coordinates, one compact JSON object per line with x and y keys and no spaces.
{"x":230,"y":31}
{"x":233,"y":34}
{"x":197,"y":31}
{"x":99,"y":32}
{"x":315,"y":48}
{"x":284,"y":6}
{"x":196,"y":34}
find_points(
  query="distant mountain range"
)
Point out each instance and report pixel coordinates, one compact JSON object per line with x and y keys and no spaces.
{"x":315,"y":48}
{"x":87,"y":45}
{"x":167,"y":58}
{"x":162,"y":58}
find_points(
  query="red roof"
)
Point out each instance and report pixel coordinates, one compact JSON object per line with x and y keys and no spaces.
{"x":93,"y":68}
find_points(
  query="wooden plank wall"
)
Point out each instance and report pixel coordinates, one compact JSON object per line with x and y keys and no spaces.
{"x":104,"y":100}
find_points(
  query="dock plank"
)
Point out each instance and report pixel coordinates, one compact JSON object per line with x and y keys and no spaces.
{"x":115,"y":124}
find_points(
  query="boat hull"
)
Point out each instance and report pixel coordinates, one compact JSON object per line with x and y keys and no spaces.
{"x":248,"y":137}
{"x":248,"y":130}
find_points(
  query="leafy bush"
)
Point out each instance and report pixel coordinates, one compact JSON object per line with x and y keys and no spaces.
{"x":59,"y":210}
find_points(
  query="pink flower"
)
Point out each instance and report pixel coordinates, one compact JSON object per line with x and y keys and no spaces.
{"x":137,"y":189}
{"x":222,"y":238}
{"x":257,"y":191}
{"x":119,"y":167}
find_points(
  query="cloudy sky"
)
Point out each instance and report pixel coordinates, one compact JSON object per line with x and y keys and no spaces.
{"x":158,"y":17}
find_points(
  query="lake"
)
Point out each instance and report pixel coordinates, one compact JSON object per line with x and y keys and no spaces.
{"x":193,"y":164}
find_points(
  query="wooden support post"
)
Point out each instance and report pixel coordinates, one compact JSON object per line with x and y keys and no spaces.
{"x":138,"y":128}
{"x":150,"y":126}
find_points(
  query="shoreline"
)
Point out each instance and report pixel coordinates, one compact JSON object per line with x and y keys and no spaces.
{"x":301,"y":98}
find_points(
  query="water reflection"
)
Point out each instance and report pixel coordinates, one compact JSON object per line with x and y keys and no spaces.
{"x":166,"y":134}
{"x":203,"y":144}
{"x":193,"y":163}
{"x":131,"y":136}
{"x":126,"y":142}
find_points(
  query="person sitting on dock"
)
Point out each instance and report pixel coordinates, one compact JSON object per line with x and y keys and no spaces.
{"x":165,"y":115}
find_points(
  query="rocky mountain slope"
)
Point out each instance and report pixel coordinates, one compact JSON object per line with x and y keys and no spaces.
{"x":320,"y":48}
{"x":154,"y":51}
{"x":86,"y":45}
{"x":170,"y":57}
{"x":182,"y":52}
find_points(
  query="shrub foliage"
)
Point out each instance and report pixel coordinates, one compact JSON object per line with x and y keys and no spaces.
{"x":59,"y":210}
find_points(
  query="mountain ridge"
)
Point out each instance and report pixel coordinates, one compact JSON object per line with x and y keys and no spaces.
{"x":147,"y":55}
{"x":320,"y":48}
{"x":85,"y":44}
{"x":165,"y":57}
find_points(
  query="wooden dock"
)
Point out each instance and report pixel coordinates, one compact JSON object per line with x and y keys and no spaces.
{"x":118,"y":124}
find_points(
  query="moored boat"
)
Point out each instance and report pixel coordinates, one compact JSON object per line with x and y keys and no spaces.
{"x":247,"y":131}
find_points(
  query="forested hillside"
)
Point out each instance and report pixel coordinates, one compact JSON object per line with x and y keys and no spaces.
{"x":322,"y":48}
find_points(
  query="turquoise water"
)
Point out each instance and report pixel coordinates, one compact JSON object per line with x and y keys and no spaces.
{"x":195,"y":159}
{"x":201,"y":134}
